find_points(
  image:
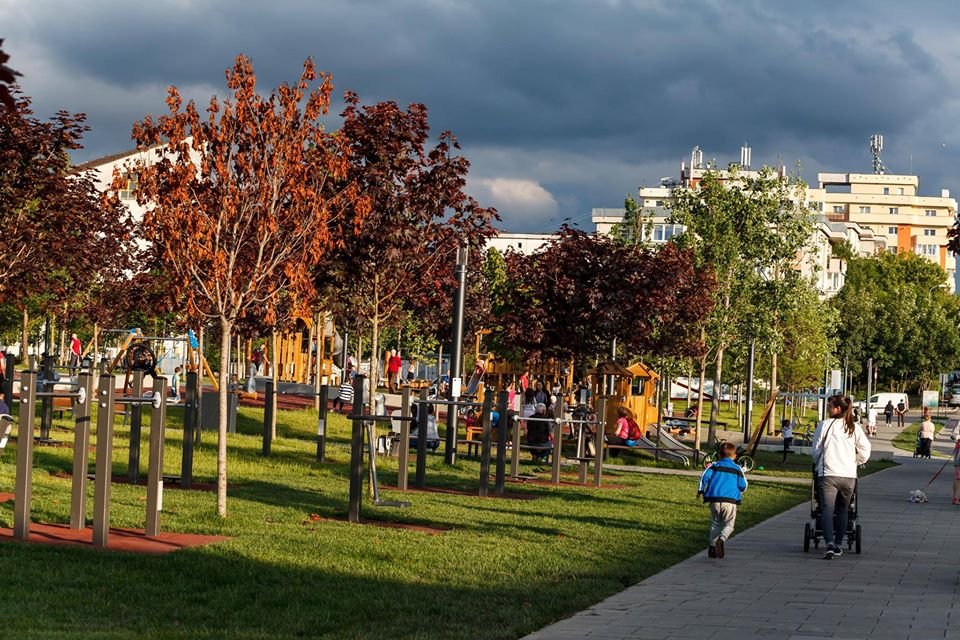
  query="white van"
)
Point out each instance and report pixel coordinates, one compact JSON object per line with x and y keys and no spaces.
{"x":880,"y":400}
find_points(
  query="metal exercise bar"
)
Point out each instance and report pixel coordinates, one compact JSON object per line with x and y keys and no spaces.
{"x":403,"y":452}
{"x":501,"y":442}
{"x":422,"y":418}
{"x":322,"y":422}
{"x":103,"y":470}
{"x":190,"y":402}
{"x":136,"y":422}
{"x":158,"y":417}
{"x":24,"y":481}
{"x":557,"y":442}
{"x":81,"y":456}
{"x":486,"y":418}
{"x":356,"y":454}
{"x":599,"y":442}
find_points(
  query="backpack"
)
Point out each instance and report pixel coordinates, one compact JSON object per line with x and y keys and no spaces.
{"x":256,"y":357}
{"x":633,"y":430}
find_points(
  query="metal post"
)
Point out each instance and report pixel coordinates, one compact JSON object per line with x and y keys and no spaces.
{"x":422,"y":418}
{"x":343,"y":355}
{"x":190,"y":401}
{"x":158,"y":418}
{"x":356,"y":452}
{"x":403,"y":447}
{"x":24,"y":481}
{"x":503,"y":410}
{"x":485,"y":443}
{"x":104,"y":465}
{"x":515,"y":450}
{"x":9,"y":364}
{"x":748,"y":412}
{"x":456,"y":363}
{"x":268,"y":397}
{"x":826,"y":385}
{"x":322,"y":422}
{"x":869,"y":382}
{"x":136,"y":427}
{"x":664,"y":386}
{"x":557,"y":439}
{"x":599,"y":444}
{"x":81,"y":455}
{"x":46,"y":402}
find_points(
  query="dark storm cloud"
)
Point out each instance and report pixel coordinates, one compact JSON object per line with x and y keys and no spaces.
{"x":562,"y":105}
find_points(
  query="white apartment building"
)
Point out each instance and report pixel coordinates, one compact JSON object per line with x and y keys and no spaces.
{"x":872,"y":212}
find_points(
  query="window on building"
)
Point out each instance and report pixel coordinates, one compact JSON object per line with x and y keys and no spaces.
{"x":927,"y":249}
{"x":838,"y":208}
{"x":900,"y":191}
{"x":864,"y":209}
{"x":658,"y":203}
{"x":130,"y":187}
{"x":886,"y":191}
{"x":892,"y":231}
{"x":929,"y":232}
{"x":636,"y":386}
{"x":894,"y":210}
{"x":931,"y":213}
{"x":891,"y":250}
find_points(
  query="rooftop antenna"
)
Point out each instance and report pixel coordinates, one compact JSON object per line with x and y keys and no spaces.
{"x":696,"y":158}
{"x":876,"y":146}
{"x":746,"y":153}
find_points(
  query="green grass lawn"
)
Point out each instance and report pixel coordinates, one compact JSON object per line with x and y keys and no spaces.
{"x":502,"y":568}
{"x":907,"y":439}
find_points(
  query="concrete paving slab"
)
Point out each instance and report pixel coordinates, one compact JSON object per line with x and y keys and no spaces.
{"x":904,"y":585}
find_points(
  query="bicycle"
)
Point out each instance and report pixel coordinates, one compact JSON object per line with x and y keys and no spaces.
{"x":743,"y":460}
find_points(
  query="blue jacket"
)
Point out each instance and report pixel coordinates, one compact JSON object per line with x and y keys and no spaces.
{"x":723,"y":481}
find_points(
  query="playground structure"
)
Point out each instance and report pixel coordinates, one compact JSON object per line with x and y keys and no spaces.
{"x":106,"y":401}
{"x":295,"y":359}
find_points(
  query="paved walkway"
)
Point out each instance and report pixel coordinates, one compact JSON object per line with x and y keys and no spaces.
{"x":905,"y":584}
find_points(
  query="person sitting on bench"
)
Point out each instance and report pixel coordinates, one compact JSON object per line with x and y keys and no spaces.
{"x":433,"y":437}
{"x":538,"y":433}
{"x":628,"y":432}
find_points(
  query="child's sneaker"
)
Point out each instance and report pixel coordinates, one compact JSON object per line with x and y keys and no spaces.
{"x":719,"y":547}
{"x":712,"y":552}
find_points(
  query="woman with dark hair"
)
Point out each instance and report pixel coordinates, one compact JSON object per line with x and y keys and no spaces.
{"x":839,"y":445}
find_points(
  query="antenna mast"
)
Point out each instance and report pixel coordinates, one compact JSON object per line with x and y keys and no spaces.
{"x":876,"y":146}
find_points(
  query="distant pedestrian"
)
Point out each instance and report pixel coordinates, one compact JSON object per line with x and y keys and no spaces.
{"x":888,"y":413}
{"x":76,"y":349}
{"x":252,"y":375}
{"x":925,"y":438}
{"x":345,"y":396}
{"x":901,"y":412}
{"x":786,"y":430}
{"x":839,"y":445}
{"x":411,"y":371}
{"x":175,"y":384}
{"x":394,"y":362}
{"x":722,"y":486}
{"x":525,"y":381}
{"x":872,"y":421}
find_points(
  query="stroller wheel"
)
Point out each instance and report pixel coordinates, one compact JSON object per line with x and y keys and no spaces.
{"x":807,"y":534}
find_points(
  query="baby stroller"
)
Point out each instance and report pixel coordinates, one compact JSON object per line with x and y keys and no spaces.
{"x":922,"y":449}
{"x":812,"y":532}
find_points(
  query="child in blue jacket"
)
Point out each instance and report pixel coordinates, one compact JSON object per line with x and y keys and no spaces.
{"x":722,"y":485}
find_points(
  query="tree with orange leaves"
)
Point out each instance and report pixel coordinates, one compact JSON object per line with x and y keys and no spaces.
{"x":241,"y":201}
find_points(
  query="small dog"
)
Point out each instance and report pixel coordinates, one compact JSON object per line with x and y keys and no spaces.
{"x":918,"y":496}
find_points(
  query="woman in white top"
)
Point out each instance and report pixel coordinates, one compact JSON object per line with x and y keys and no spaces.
{"x":839,"y":445}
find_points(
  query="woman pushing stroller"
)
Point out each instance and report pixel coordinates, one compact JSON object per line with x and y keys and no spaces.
{"x":839,"y":445}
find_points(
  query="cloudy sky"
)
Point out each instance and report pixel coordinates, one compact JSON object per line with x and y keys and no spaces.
{"x":561,"y":105}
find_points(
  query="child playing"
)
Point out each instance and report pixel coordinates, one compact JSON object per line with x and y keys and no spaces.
{"x":722,"y":485}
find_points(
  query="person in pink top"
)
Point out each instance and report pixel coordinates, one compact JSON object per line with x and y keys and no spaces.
{"x":76,"y":348}
{"x":393,"y":370}
{"x":628,"y":432}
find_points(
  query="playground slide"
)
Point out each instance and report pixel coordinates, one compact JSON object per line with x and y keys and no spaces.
{"x":650,"y":446}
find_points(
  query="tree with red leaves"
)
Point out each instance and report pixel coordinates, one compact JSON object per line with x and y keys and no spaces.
{"x":401,"y":256}
{"x":581,"y":292}
{"x":61,"y":240}
{"x":241,"y":202}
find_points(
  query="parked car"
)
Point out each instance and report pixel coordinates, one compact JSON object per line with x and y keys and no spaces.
{"x":953,"y":396}
{"x":879,"y":400}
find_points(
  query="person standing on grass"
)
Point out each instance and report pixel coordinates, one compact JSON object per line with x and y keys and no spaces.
{"x":786,"y":430}
{"x":926,"y":437}
{"x":76,"y":349}
{"x":345,"y":395}
{"x":175,"y":384}
{"x":722,"y":485}
{"x":839,"y":445}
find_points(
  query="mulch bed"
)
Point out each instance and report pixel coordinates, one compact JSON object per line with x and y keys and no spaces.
{"x":130,"y":540}
{"x":472,"y":492}
{"x":6,"y":497}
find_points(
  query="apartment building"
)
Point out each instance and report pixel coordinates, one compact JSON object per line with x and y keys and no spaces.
{"x":872,"y":212}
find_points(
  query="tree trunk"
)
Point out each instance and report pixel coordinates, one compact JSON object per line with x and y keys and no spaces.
{"x":773,"y":385}
{"x":715,"y":399}
{"x":25,"y":338}
{"x":374,"y":359}
{"x":225,"y":329}
{"x":703,"y":376}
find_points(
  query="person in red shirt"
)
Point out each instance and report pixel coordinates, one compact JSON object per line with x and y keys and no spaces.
{"x":525,"y":381}
{"x":393,"y":371}
{"x":76,"y":348}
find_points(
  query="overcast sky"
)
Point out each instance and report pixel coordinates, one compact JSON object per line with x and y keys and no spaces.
{"x":561,"y":105}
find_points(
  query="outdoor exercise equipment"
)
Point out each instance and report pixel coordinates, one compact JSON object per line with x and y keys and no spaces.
{"x":105,"y":399}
